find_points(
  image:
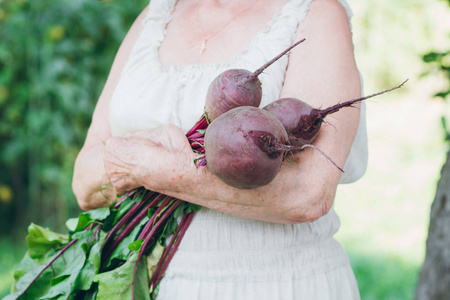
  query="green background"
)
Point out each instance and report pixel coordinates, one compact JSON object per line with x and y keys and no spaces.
{"x":54,"y":59}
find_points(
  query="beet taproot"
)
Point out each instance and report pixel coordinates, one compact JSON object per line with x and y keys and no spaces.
{"x":303,"y":122}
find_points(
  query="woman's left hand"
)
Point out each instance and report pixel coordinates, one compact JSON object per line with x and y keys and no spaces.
{"x":141,"y":156}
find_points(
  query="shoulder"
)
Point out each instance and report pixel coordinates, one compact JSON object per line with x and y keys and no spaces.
{"x":141,"y":18}
{"x":326,"y":15}
{"x":327,"y":7}
{"x":325,"y":61}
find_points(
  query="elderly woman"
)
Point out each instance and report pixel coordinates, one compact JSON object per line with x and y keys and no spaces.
{"x":273,"y":242}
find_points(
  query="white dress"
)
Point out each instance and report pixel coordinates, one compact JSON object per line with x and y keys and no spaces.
{"x":223,"y":257}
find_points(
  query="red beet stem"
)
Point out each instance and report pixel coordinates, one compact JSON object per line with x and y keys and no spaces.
{"x":152,"y":220}
{"x":127,"y":217}
{"x":108,"y":249}
{"x":201,"y":124}
{"x":165,"y":253}
{"x":61,"y":252}
{"x":121,"y":199}
{"x":322,"y":113}
{"x":48,"y":265}
{"x":260,"y":70}
{"x":173,"y":249}
{"x":148,"y":237}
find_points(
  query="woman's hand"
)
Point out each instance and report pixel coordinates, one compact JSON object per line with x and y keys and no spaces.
{"x":137,"y":158}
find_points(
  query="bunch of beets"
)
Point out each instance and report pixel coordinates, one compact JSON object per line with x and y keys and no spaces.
{"x":123,"y":250}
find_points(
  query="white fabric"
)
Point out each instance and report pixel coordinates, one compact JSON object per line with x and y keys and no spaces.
{"x":222,"y":256}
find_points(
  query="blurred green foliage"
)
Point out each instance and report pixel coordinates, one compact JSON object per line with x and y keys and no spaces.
{"x":11,"y":254}
{"x":440,"y":63}
{"x":383,"y":277}
{"x":388,"y":35}
{"x":54,"y":59}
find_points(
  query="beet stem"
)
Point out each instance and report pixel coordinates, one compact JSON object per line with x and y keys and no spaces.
{"x":201,"y":124}
{"x":126,"y":218}
{"x":121,"y":199}
{"x":48,"y":265}
{"x":109,"y":249}
{"x":150,"y":235}
{"x":148,"y":227}
{"x":332,"y":109}
{"x":260,"y":70}
{"x":177,"y":240}
{"x":159,"y":270}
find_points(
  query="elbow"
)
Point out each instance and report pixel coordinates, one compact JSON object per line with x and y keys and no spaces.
{"x":81,"y":197}
{"x":77,"y":187}
{"x":82,"y":189}
{"x":89,"y":190}
{"x":310,"y":208}
{"x":87,"y":199}
{"x":84,"y":205}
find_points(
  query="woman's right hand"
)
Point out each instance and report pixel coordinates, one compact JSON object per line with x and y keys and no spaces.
{"x":141,"y":157}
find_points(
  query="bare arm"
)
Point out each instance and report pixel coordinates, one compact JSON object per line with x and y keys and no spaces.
{"x":91,"y":184}
{"x":322,"y":72}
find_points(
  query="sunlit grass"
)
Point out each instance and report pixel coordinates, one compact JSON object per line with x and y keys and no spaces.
{"x":381,"y":276}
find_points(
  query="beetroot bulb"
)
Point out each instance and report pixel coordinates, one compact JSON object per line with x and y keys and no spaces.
{"x":302,"y":122}
{"x":241,"y":139}
{"x":237,"y":87}
{"x":245,"y":147}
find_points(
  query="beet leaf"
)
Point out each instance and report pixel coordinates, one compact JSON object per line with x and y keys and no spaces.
{"x":118,"y":283}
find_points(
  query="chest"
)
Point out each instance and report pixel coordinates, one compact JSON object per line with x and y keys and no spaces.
{"x":210,"y":33}
{"x":160,"y":85}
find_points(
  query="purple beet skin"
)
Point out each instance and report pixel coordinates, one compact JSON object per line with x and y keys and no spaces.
{"x":302,"y":122}
{"x":237,"y":87}
{"x":245,"y":147}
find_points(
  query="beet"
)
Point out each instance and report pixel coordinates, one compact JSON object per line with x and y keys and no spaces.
{"x":245,"y":138}
{"x":236,"y":87}
{"x":302,"y":121}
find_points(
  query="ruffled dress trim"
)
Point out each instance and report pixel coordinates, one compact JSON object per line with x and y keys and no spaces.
{"x":280,"y":29}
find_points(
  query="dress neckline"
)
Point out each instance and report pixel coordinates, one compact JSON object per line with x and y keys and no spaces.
{"x":166,"y":17}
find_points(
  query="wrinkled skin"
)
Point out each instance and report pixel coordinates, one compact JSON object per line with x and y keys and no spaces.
{"x":237,"y":147}
{"x":130,"y":160}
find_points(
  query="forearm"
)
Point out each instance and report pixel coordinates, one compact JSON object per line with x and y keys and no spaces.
{"x":299,"y":193}
{"x":272,"y":203}
{"x":161,"y":160}
{"x":90,"y":183}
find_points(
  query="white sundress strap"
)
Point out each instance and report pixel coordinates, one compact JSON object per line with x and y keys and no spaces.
{"x":160,"y":10}
{"x":283,"y":27}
